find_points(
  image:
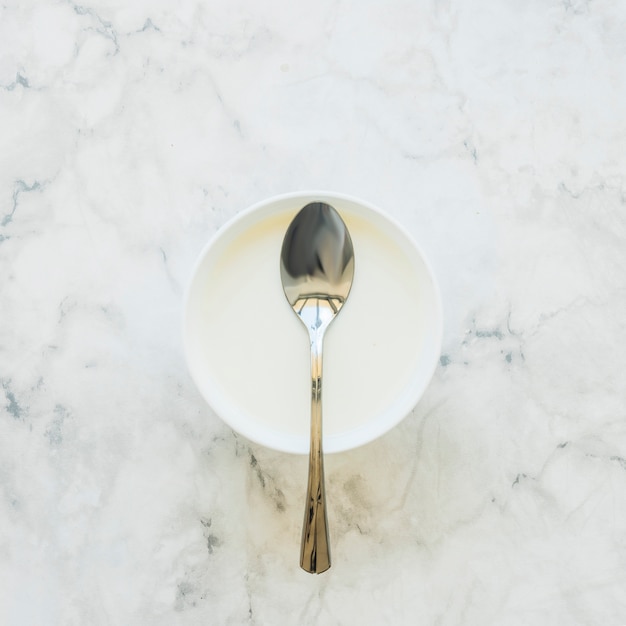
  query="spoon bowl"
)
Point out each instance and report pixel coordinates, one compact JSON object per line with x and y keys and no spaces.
{"x":317,"y":270}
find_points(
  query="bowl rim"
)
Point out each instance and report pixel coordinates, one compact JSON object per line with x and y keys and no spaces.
{"x":362,"y":434}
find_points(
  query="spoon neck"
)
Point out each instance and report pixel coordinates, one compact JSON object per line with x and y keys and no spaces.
{"x":317,"y":340}
{"x":316,"y":336}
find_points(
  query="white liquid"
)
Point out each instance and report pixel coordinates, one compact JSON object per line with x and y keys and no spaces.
{"x":254,"y":351}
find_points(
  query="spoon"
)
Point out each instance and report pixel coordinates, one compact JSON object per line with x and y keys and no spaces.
{"x":316,"y":268}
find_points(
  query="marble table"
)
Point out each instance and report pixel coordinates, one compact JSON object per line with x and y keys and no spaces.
{"x":495,"y":132}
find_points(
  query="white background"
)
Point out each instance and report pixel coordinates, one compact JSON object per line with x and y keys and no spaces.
{"x":495,"y":132}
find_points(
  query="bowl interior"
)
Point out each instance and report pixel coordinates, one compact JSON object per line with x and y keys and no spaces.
{"x":248,"y":352}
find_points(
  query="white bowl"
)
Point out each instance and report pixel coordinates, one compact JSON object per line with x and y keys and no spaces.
{"x":248,"y":353}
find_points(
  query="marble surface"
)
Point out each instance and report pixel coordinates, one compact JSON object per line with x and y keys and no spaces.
{"x":495,"y":132}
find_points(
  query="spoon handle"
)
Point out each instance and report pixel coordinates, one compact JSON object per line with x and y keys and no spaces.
{"x":315,"y":548}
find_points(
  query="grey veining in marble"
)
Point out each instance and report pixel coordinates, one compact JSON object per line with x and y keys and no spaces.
{"x":495,"y":132}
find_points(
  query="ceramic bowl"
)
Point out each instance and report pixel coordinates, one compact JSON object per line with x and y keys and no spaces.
{"x":248,"y":353}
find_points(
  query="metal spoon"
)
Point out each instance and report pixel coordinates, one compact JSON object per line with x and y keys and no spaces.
{"x":316,"y":268}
